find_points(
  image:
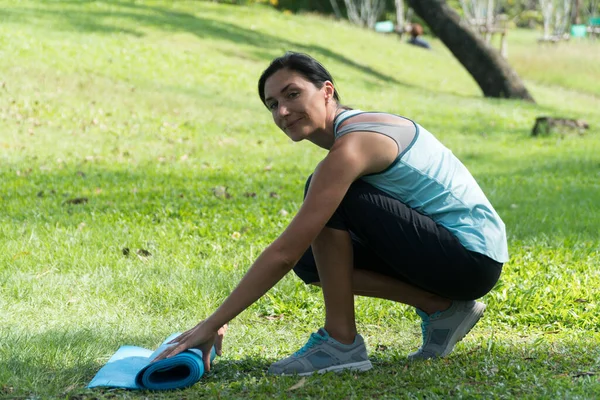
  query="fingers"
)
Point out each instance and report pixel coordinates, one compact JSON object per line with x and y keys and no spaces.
{"x":181,"y":337}
{"x":219,"y":340}
{"x":177,"y":350}
{"x":178,"y":339}
{"x":195,"y":338}
{"x":168,"y":352}
{"x":223,"y":329}
{"x":219,"y":345}
{"x":206,"y":360}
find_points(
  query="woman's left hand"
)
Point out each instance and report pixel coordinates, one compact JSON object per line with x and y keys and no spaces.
{"x":199,"y":337}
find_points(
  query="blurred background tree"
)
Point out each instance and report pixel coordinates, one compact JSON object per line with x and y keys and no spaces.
{"x":520,"y":13}
{"x":464,"y":26}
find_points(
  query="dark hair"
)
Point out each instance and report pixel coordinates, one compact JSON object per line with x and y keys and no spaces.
{"x":302,"y":63}
{"x":416,"y":30}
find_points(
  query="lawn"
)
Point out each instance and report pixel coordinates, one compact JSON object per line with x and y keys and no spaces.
{"x":129,"y":126}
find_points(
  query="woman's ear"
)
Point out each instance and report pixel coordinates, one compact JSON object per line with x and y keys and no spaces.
{"x":329,"y":91}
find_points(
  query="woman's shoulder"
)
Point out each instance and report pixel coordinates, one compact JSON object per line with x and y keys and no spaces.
{"x":348,"y":117}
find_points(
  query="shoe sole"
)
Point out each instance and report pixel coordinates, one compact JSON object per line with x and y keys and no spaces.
{"x":357,"y":366}
{"x":464,"y":327}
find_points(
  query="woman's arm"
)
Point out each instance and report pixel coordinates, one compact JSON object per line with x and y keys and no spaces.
{"x":329,"y":184}
{"x":351,"y":157}
{"x":346,"y":161}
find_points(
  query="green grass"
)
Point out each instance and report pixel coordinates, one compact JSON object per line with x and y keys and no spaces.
{"x":144,"y":108}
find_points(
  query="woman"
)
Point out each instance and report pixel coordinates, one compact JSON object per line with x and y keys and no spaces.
{"x":416,"y":39}
{"x":388,"y":213}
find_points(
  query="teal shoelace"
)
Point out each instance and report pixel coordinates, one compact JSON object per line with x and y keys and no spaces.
{"x":425,"y":322}
{"x":424,"y":326}
{"x":313,"y":340}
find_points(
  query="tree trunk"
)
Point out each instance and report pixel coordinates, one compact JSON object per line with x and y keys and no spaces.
{"x":575,"y":18}
{"x":336,"y":9}
{"x":400,"y":17}
{"x":486,"y":65}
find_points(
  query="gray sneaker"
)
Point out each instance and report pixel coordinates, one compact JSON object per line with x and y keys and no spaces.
{"x":323,"y":353}
{"x":443,"y":329}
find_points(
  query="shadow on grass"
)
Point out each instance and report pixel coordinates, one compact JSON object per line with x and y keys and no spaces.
{"x":141,"y":193}
{"x":88,"y":20}
{"x":527,"y":367}
{"x":545,"y":197}
{"x":56,"y":360}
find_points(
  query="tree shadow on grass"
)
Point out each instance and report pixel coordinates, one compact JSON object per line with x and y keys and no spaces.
{"x":503,"y":367}
{"x":139,"y":193}
{"x":547,"y":196}
{"x":87,"y":20}
{"x":62,"y":363}
{"x":527,"y":366}
{"x":57,"y":361}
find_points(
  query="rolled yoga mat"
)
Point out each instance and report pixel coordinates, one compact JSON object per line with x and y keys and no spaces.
{"x":131,"y":368}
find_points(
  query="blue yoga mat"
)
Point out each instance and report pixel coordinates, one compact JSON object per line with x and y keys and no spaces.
{"x":131,"y":368}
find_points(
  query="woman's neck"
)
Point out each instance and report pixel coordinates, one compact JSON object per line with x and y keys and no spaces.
{"x":325,"y":138}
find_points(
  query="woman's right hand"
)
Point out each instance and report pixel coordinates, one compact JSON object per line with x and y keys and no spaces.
{"x":199,"y":337}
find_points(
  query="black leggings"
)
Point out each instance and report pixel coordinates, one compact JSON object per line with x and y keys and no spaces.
{"x":392,"y":239}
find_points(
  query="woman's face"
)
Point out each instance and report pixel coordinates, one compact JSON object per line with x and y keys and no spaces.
{"x":298,"y":107}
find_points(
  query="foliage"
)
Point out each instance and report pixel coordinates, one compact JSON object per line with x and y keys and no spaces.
{"x":320,"y":6}
{"x":529,"y":19}
{"x":136,"y":125}
{"x":523,"y":13}
{"x":242,"y":2}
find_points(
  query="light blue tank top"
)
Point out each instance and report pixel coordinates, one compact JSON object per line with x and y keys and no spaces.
{"x":428,"y":178}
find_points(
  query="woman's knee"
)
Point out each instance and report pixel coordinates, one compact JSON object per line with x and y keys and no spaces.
{"x":308,"y":276}
{"x":306,"y":268}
